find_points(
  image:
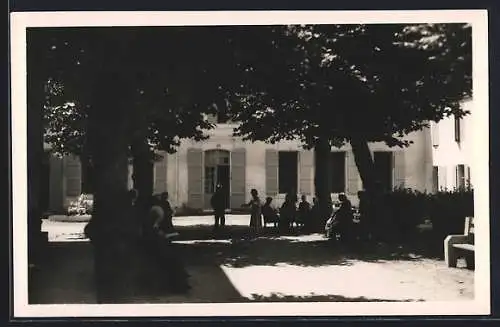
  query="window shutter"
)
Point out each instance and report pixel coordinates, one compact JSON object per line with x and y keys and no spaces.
{"x":468,"y":179}
{"x":306,"y":171}
{"x":443,"y":184}
{"x":195,"y":178}
{"x":72,"y":168}
{"x":435,"y":134}
{"x":272,"y":164}
{"x":353,"y":177}
{"x":160,"y":172}
{"x":399,"y":169}
{"x":238,"y":181}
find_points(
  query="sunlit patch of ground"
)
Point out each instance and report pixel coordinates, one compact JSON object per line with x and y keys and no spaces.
{"x":236,"y":268}
{"x":425,"y":280}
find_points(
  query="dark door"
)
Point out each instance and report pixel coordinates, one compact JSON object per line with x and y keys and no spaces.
{"x":223,"y":179}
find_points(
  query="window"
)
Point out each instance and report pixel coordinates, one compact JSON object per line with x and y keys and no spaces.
{"x":383,"y":169}
{"x":458,"y":129}
{"x":337,"y":176}
{"x":435,"y":179}
{"x":460,"y":176}
{"x":287,"y":171}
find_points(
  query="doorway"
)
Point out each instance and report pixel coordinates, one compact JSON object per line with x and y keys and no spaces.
{"x":217,"y":172}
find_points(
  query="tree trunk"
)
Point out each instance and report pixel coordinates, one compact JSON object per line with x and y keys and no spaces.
{"x":113,"y":230}
{"x":364,"y":163}
{"x":322,"y":171}
{"x":366,"y":167}
{"x":143,"y":167}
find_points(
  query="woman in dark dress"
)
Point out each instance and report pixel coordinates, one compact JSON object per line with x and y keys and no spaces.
{"x":165,"y":257}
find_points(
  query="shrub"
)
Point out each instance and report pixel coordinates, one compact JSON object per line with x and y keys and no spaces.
{"x":402,"y":210}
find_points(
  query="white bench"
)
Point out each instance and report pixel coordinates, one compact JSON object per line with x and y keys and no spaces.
{"x":461,"y":246}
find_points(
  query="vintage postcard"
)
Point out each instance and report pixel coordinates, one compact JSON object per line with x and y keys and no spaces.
{"x":250,"y":163}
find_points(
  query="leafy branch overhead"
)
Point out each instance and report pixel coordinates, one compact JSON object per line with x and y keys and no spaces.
{"x":168,"y":92}
{"x":370,"y":82}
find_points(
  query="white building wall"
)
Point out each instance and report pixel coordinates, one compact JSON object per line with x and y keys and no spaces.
{"x":447,"y":153}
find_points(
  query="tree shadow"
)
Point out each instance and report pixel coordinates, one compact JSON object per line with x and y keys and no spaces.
{"x":235,"y":248}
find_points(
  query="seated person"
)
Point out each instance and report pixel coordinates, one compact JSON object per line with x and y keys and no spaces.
{"x":269,"y":213}
{"x":288,"y":212}
{"x":304,"y":212}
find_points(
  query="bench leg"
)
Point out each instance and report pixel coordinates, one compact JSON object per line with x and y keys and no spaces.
{"x":469,"y":259}
{"x":450,"y":255}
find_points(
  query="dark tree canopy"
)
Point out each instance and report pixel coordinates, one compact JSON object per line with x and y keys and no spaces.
{"x":339,"y":82}
{"x":171,"y":75}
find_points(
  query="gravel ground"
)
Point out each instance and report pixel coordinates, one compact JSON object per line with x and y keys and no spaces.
{"x":269,"y":268}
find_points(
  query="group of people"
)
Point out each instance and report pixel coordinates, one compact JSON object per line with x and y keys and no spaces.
{"x":338,"y":224}
{"x":292,"y":212}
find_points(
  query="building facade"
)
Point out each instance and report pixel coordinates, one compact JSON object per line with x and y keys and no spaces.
{"x":452,"y":150}
{"x":191,"y":175}
{"x":439,"y":158}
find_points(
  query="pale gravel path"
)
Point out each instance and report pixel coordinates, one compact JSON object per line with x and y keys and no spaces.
{"x":394,"y":280}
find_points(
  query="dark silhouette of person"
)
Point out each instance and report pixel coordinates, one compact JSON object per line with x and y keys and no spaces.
{"x":168,"y":213}
{"x":269,"y":213}
{"x":288,"y":211}
{"x":171,"y":271}
{"x":218,"y":203}
{"x":344,"y":217}
{"x":304,"y":212}
{"x":315,"y":214}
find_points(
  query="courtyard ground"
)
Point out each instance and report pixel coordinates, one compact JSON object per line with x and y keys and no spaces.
{"x":231,"y":268}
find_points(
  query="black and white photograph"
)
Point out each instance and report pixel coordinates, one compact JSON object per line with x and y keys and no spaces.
{"x":250,"y":163}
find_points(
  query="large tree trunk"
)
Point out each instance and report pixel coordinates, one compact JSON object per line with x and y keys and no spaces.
{"x":364,"y":163}
{"x":322,"y":178}
{"x":366,"y":167}
{"x":143,"y":167}
{"x":113,"y":230}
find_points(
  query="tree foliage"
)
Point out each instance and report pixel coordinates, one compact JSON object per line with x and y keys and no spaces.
{"x":339,"y":82}
{"x":171,"y":74}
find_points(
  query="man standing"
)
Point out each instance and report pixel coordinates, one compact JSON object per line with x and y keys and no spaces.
{"x":218,"y":203}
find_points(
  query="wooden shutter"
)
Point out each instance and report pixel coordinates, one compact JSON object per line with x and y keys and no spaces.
{"x":353,"y":177}
{"x":442,"y":178}
{"x":238,"y":181}
{"x":306,"y":171}
{"x":272,"y":163}
{"x":399,"y":169}
{"x":195,"y":178}
{"x":160,"y":172}
{"x":72,"y":171}
{"x":435,"y":134}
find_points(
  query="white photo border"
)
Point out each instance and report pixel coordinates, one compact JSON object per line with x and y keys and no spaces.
{"x":480,"y":168}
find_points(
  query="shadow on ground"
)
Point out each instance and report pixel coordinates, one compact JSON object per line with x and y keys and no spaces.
{"x":234,"y":247}
{"x":66,"y":274}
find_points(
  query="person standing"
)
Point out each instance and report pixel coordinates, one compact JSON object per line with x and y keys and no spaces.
{"x":168,"y":213}
{"x":255,"y":211}
{"x":218,"y":203}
